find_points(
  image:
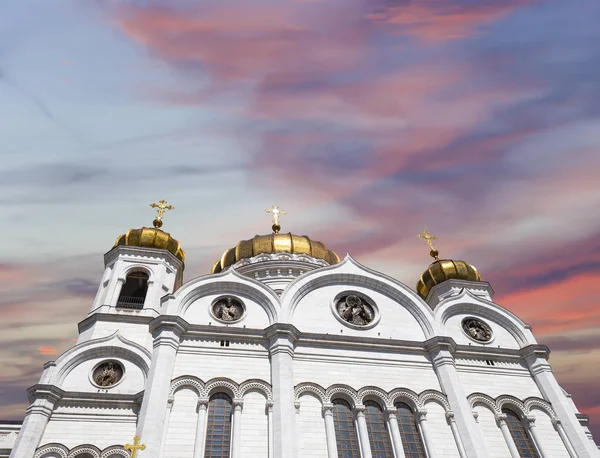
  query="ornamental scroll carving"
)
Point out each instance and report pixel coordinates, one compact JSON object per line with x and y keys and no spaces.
{"x":228,"y":309}
{"x":108,"y":373}
{"x":477,"y":329}
{"x":355,"y":310}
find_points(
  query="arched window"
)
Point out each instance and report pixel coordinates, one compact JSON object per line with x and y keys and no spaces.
{"x":133,"y":292}
{"x":520,"y":437}
{"x":411,"y":437}
{"x":379,"y":438}
{"x":218,"y":431}
{"x":345,"y":431}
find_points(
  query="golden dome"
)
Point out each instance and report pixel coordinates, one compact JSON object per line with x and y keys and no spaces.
{"x":275,"y":243}
{"x":445,"y":269}
{"x":151,"y":237}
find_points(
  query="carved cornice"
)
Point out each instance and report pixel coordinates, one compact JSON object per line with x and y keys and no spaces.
{"x":176,"y":324}
{"x":282,"y":330}
{"x":535,"y":350}
{"x":50,"y":393}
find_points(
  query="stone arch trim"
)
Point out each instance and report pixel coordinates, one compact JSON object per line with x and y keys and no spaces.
{"x":405,"y":395}
{"x":308,"y":387}
{"x":187,"y":382}
{"x":90,"y":449}
{"x":485,"y":400}
{"x":435,"y":396}
{"x":137,"y":268}
{"x":344,"y":392}
{"x":115,"y":450}
{"x":541,"y":404}
{"x":256,"y":384}
{"x":229,"y":385}
{"x":351,"y":273}
{"x":376,"y":394}
{"x":59,"y":449}
{"x":520,"y":407}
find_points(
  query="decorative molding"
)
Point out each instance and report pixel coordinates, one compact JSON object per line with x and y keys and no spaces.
{"x":81,"y":449}
{"x":57,"y":449}
{"x":521,"y":407}
{"x":205,"y":389}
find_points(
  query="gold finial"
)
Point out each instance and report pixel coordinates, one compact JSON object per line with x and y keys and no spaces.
{"x":276,"y":213}
{"x":425,"y":235}
{"x":161,"y":206}
{"x":136,"y":442}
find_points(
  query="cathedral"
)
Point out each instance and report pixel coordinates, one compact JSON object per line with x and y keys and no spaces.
{"x":286,"y":350}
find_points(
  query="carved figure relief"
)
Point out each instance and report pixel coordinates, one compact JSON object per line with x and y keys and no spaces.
{"x":477,"y":329}
{"x":228,"y":309}
{"x":108,"y":373}
{"x":355,"y":310}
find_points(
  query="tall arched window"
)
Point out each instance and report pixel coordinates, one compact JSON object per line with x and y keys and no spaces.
{"x":520,"y":437}
{"x":345,"y":431}
{"x":411,"y":437}
{"x":133,"y":292}
{"x":218,"y":431}
{"x":379,"y":438}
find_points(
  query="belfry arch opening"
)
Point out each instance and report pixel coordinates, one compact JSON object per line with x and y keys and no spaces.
{"x":134,"y":290}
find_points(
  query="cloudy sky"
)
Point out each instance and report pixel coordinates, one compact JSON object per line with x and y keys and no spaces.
{"x":367,"y":120}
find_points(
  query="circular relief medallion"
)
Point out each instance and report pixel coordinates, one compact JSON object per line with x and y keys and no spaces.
{"x":108,"y":373}
{"x":355,"y":310}
{"x":228,"y":309}
{"x":477,"y":329}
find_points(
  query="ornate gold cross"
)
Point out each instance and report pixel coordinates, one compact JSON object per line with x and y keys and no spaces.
{"x":161,"y":208}
{"x":276,"y":211}
{"x":136,"y":444}
{"x":428,"y":237}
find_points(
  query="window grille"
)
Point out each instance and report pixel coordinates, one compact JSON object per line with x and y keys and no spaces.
{"x":411,"y":437}
{"x":379,"y":437}
{"x":345,"y":430}
{"x":520,"y":437}
{"x":218,"y":431}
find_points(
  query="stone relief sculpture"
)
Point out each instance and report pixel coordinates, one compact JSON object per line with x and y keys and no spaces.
{"x":477,"y":329}
{"x":355,"y":310}
{"x":228,"y":309}
{"x":108,"y":374}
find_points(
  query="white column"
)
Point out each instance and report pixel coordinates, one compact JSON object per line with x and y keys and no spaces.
{"x":529,"y":423}
{"x":421,"y":416}
{"x":561,"y":432}
{"x":236,"y":434}
{"x":36,"y":419}
{"x":363,"y":432}
{"x":281,"y":349}
{"x":536,"y":357}
{"x":170,"y":402}
{"x":455,"y":433}
{"x":330,"y":431}
{"x":440,"y":350}
{"x":501,"y":421}
{"x":394,"y":429}
{"x":269,"y":407}
{"x":151,"y":420}
{"x":200,"y":428}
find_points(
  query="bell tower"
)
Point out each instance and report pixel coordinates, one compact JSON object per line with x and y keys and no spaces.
{"x":144,"y":265}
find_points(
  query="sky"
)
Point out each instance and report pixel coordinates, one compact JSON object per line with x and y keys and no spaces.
{"x":366,"y":120}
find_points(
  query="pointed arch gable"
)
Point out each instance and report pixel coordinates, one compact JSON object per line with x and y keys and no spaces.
{"x":349,"y":272}
{"x":227,"y":281}
{"x":112,"y":346}
{"x":467,"y":303}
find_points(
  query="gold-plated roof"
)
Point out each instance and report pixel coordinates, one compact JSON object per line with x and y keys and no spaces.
{"x":445,"y":269}
{"x":275,"y":243}
{"x":151,"y":237}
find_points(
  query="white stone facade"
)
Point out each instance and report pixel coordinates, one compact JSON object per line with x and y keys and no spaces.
{"x":286,"y":362}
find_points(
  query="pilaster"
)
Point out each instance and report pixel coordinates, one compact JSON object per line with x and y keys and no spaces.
{"x":501,"y":422}
{"x":167,"y":331}
{"x":330,"y":431}
{"x":441,"y":352}
{"x":281,"y":350}
{"x":363,"y":432}
{"x":536,"y":357}
{"x":43,"y":398}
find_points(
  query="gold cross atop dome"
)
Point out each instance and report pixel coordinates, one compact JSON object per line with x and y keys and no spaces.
{"x":161,"y":208}
{"x":428,"y":238}
{"x":136,"y":443}
{"x":276,"y":211}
